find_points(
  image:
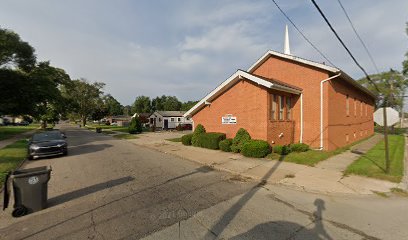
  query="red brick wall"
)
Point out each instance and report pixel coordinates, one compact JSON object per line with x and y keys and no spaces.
{"x":340,"y":125}
{"x":335,"y":124}
{"x":244,"y":100}
{"x":307,"y":78}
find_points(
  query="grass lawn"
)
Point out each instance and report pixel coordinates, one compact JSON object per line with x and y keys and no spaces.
{"x":10,"y":131}
{"x":310,"y":158}
{"x":372,"y":164}
{"x":174,"y":139}
{"x":11,"y":156}
{"x":126,"y":136}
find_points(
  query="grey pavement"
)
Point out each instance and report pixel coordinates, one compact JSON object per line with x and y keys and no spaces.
{"x":108,"y":188}
{"x":112,"y":189}
{"x":329,"y":180}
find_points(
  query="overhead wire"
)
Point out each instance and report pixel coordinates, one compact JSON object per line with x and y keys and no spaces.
{"x":301,"y":33}
{"x":359,"y":37}
{"x":344,"y":45}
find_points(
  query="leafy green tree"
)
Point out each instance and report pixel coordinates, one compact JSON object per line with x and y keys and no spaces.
{"x":188,"y":105}
{"x":157,"y":103}
{"x":391,"y":86}
{"x":127,"y":110}
{"x":142,"y":104}
{"x":83,"y":97}
{"x":135,"y":126}
{"x":112,"y":106}
{"x":171,"y":103}
{"x":15,"y":52}
{"x":405,"y":62}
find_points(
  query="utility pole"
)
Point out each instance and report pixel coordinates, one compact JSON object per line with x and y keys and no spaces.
{"x":387,"y":157}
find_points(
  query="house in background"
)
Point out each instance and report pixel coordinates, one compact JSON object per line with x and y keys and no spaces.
{"x":168,"y":119}
{"x":285,"y":99}
{"x":119,"y":120}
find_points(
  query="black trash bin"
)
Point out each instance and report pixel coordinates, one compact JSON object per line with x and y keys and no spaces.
{"x":30,"y":187}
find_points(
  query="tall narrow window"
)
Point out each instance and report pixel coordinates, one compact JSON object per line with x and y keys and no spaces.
{"x":355,"y":107}
{"x":361,"y":108}
{"x":366,"y":109}
{"x":288,"y":108}
{"x":281,"y":107}
{"x":273,"y":107}
{"x":347,"y":106}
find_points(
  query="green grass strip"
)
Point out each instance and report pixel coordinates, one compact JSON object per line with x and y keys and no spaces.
{"x":11,"y":157}
{"x":372,"y":164}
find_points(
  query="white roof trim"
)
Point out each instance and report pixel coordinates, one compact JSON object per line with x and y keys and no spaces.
{"x":293,"y":58}
{"x":230,"y":81}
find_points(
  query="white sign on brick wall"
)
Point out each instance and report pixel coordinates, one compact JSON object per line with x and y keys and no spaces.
{"x":229,"y":119}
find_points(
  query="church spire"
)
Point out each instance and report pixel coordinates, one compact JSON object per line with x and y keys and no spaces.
{"x":286,"y":47}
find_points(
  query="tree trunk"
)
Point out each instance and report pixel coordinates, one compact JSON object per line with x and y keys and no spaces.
{"x":83,"y":121}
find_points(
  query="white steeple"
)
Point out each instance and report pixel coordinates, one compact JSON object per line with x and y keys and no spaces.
{"x":286,"y":47}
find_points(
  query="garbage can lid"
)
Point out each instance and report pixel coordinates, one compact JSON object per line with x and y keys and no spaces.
{"x":30,"y":172}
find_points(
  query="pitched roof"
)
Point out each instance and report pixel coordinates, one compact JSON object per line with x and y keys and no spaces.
{"x":330,"y":69}
{"x":238,"y":75}
{"x":171,"y":113}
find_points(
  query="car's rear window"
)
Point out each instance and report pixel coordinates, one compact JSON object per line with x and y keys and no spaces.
{"x":47,"y":136}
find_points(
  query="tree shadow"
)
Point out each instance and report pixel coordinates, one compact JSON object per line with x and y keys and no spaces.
{"x":228,"y":216}
{"x":84,"y":149}
{"x":276,"y":230}
{"x":87,"y":190}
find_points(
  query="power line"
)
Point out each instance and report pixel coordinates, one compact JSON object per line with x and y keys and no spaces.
{"x":344,"y":45}
{"x":294,"y":25}
{"x":359,"y":38}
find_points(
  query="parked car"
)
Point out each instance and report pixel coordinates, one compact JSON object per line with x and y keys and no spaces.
{"x":47,"y":143}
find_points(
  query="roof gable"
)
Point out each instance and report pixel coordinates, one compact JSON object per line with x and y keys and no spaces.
{"x":238,"y":75}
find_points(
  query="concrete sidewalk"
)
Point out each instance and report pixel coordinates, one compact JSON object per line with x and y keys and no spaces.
{"x":301,"y":177}
{"x":341,"y":161}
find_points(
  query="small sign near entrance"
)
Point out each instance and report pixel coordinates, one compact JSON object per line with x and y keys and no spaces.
{"x":229,"y":119}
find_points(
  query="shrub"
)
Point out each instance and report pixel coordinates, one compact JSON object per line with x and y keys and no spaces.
{"x":179,"y":127}
{"x":186,"y":139}
{"x":135,"y":126}
{"x":281,"y":150}
{"x":299,"y":147}
{"x":197,"y":131}
{"x":225,"y":145}
{"x":240,"y":138}
{"x":209,"y":140}
{"x":256,"y":148}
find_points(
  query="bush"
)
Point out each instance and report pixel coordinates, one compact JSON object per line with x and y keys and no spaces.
{"x":197,"y":131}
{"x":299,"y":147}
{"x":281,"y":150}
{"x":240,"y":138}
{"x":225,"y":145}
{"x":186,"y":139}
{"x":209,"y":140}
{"x":256,"y":148}
{"x":135,"y":126}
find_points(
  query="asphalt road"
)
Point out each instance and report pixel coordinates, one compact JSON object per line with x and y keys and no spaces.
{"x":112,"y":189}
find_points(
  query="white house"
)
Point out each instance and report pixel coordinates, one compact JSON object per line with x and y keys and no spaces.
{"x":168,"y":119}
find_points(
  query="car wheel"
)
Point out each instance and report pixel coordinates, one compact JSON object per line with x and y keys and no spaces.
{"x":65,"y":153}
{"x":30,"y":157}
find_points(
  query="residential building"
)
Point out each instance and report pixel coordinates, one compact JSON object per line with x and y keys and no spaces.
{"x":168,"y":119}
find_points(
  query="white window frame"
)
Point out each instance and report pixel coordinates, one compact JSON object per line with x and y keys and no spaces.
{"x":281,"y":108}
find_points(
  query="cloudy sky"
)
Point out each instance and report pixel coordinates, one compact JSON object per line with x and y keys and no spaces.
{"x":186,"y":48}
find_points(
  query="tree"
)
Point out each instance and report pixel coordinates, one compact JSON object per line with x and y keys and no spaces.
{"x":157,"y":103}
{"x":112,"y":106}
{"x":47,"y":81}
{"x":15,"y":52}
{"x":171,"y":103}
{"x":83,"y":97}
{"x":391,"y":85}
{"x":188,"y":105}
{"x":142,"y":104}
{"x":127,"y":110}
{"x":405,"y":62}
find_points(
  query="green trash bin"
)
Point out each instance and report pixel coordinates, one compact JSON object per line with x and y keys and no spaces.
{"x":30,"y":187}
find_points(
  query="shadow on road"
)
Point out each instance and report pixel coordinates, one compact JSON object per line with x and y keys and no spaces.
{"x":89,"y":148}
{"x":87,"y":190}
{"x":287,"y":230}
